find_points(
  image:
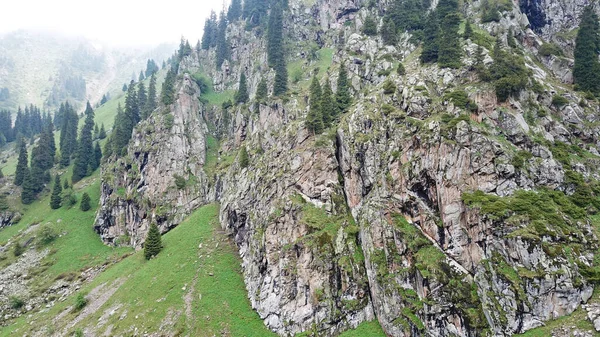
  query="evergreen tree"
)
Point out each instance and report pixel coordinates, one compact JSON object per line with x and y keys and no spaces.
{"x":468,"y":33}
{"x":430,"y":40}
{"x":235,"y":10}
{"x":68,"y":135}
{"x":104,"y":99}
{"x":120,"y":137}
{"x":102,"y":132}
{"x":153,"y":244}
{"x":370,"y":26}
{"x":275,"y":36}
{"x":222,"y":43}
{"x":388,"y":32}
{"x":342,"y":95}
{"x":1,"y":177}
{"x":142,"y":98}
{"x":141,"y":77}
{"x":85,"y":202}
{"x":327,"y":105}
{"x":151,"y":68}
{"x":241,"y":96}
{"x":124,"y":87}
{"x":586,"y":71}
{"x":22,"y":163}
{"x":244,"y":161}
{"x":168,"y":88}
{"x":210,"y":32}
{"x":262,"y":92}
{"x":151,"y":99}
{"x":28,"y":191}
{"x":314,"y":118}
{"x":97,"y":156}
{"x":55,"y":198}
{"x":85,"y":151}
{"x":281,"y":78}
{"x":450,"y":51}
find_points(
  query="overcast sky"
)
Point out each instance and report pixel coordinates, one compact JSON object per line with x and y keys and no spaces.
{"x":117,"y":22}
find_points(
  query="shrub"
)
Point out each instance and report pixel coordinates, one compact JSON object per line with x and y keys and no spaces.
{"x":47,"y":235}
{"x":203,"y":82}
{"x":389,"y":87}
{"x":85,"y":202}
{"x":559,"y":101}
{"x":179,"y":181}
{"x":169,"y":119}
{"x":153,"y":243}
{"x":548,"y":49}
{"x":401,"y":70}
{"x":16,"y":302}
{"x":461,"y":100}
{"x":19,"y":249}
{"x":80,"y":302}
{"x":244,"y":160}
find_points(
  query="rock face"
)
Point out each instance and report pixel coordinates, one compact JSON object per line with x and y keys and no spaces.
{"x":161,"y":178}
{"x":434,"y":220}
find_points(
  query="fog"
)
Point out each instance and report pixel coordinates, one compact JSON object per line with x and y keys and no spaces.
{"x":117,"y":23}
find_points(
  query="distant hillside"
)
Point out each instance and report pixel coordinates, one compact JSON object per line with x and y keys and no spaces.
{"x":45,"y":69}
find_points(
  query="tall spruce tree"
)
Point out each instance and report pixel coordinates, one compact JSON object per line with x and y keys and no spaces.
{"x":22,"y":163}
{"x":56,"y":198}
{"x":262,"y":91}
{"x":167,"y":95}
{"x":450,"y":50}
{"x":153,"y":243}
{"x":314,"y":118}
{"x":142,"y":98}
{"x":151,"y":99}
{"x":342,"y":95}
{"x":28,"y":190}
{"x":68,"y":135}
{"x":241,"y":96}
{"x":235,"y":10}
{"x":222,"y":43}
{"x":281,"y":77}
{"x":369,"y":26}
{"x":84,"y":158}
{"x":586,"y":71}
{"x":85,"y":203}
{"x":431,"y":39}
{"x":97,"y":156}
{"x":388,"y":32}
{"x":328,"y":108}
{"x":275,"y":52}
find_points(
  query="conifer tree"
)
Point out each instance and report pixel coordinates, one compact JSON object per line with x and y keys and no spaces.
{"x":153,"y":243}
{"x":222,"y":43}
{"x":55,"y":198}
{"x":124,"y":87}
{"x":151,"y":99}
{"x":85,"y":202}
{"x":241,"y":96}
{"x":586,"y":71}
{"x":281,"y":78}
{"x":450,"y":51}
{"x":342,"y":95}
{"x":1,"y":174}
{"x":102,"y":132}
{"x":328,"y":109}
{"x":141,"y":77}
{"x":468,"y":33}
{"x":120,"y":137}
{"x":430,"y":40}
{"x":262,"y":92}
{"x":142,"y":98}
{"x":370,"y":26}
{"x":85,"y":151}
{"x":275,"y":36}
{"x":243,"y":158}
{"x":388,"y":32}
{"x":235,"y":10}
{"x":22,"y":163}
{"x":68,"y":135}
{"x":28,"y":190}
{"x":314,"y":118}
{"x":210,"y":32}
{"x":97,"y":156}
{"x":168,"y":88}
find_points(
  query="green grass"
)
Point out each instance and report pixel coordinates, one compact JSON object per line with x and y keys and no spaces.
{"x":577,"y":319}
{"x":365,"y":329}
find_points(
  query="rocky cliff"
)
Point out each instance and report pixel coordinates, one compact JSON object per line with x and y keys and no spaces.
{"x":433,"y":218}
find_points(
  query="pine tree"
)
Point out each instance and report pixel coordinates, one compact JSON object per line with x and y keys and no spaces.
{"x":124,"y":87}
{"x":85,"y":202}
{"x":244,"y":161}
{"x":141,"y":77}
{"x":151,"y":99}
{"x":586,"y":71}
{"x":168,"y":88}
{"x":22,"y":163}
{"x":97,"y":156}
{"x":431,"y":40}
{"x":142,"y":98}
{"x":327,"y":105}
{"x":388,"y":32}
{"x":102,"y":132}
{"x":210,"y":32}
{"x":235,"y":10}
{"x":281,"y":78}
{"x":85,"y":151}
{"x":151,"y":68}
{"x":55,"y":198}
{"x":222,"y":43}
{"x":468,"y":33}
{"x":450,"y":50}
{"x":262,"y":92}
{"x":68,"y":135}
{"x":153,"y":243}
{"x":1,"y":175}
{"x":314,"y":118}
{"x":342,"y":95}
{"x":28,"y":191}
{"x":275,"y":36}
{"x":370,"y":26}
{"x":241,"y":96}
